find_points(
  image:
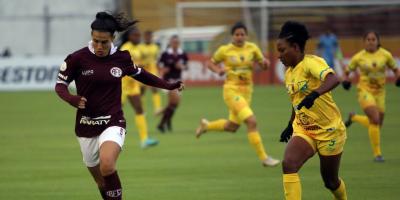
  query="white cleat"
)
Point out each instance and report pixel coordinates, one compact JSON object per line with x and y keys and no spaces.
{"x":202,"y":128}
{"x":270,"y":162}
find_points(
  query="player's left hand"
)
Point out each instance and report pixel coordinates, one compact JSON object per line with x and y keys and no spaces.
{"x":308,"y":101}
{"x":398,"y":82}
{"x":177,"y":85}
{"x":287,"y":133}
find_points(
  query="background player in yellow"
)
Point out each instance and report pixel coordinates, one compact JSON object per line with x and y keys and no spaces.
{"x":316,"y":123}
{"x":131,"y":88}
{"x":238,"y":58}
{"x":372,"y":63}
{"x":149,"y":53}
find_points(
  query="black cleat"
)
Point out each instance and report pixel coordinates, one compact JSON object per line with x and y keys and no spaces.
{"x":348,"y":122}
{"x":161,"y":128}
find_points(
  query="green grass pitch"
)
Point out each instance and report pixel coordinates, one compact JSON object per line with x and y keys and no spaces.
{"x":40,"y":157}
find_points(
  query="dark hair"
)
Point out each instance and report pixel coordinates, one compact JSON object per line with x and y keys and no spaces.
{"x":294,"y":33}
{"x":107,"y":22}
{"x":124,"y":37}
{"x":376,"y":35}
{"x":148,"y":32}
{"x":238,"y":25}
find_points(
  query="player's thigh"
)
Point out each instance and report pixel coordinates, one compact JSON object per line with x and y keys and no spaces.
{"x":365,"y":98}
{"x":237,"y":102}
{"x":174,"y":97}
{"x":297,"y":152}
{"x":380,"y":101}
{"x":111,"y":142}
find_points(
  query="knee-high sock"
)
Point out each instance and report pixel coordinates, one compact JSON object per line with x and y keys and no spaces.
{"x":362,"y":119}
{"x":141,"y":124}
{"x":103,"y":193}
{"x":340,"y":192}
{"x":375,"y":139}
{"x":171,"y":114}
{"x":166,"y":115}
{"x":292,"y":186}
{"x":113,"y":187}
{"x":217,"y":125}
{"x":156,"y":101}
{"x":256,"y":142}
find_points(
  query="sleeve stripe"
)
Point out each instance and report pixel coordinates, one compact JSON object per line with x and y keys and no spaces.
{"x":62,"y":82}
{"x":138,"y":72}
{"x":322,"y":72}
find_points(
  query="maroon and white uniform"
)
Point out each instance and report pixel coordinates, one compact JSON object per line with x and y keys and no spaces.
{"x":98,"y":79}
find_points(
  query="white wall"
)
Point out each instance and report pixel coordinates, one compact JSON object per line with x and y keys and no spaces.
{"x":22,"y":25}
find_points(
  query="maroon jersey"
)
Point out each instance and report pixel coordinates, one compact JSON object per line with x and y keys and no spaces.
{"x":98,"y":79}
{"x":169,"y":60}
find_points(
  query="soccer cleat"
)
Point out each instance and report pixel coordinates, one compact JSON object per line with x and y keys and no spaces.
{"x":270,"y":162}
{"x":149,"y":142}
{"x":348,"y":122}
{"x":161,"y":128}
{"x":379,"y":159}
{"x":202,"y":128}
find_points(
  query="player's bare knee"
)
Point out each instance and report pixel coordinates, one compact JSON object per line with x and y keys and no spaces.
{"x":290,"y":166}
{"x":332,"y":184}
{"x":107,"y":167}
{"x":251,"y":123}
{"x":230,"y":127}
{"x":375,"y":120}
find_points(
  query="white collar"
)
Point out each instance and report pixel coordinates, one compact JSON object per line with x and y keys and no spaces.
{"x":171,"y":51}
{"x":112,"y":51}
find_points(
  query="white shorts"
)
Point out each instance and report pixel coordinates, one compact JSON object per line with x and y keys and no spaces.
{"x":90,"y":146}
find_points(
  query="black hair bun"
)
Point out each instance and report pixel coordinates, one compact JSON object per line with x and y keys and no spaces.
{"x":294,"y":29}
{"x":103,"y":16}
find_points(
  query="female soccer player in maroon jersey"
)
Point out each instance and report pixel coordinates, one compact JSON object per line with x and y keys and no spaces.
{"x":100,"y":125}
{"x":172,"y":62}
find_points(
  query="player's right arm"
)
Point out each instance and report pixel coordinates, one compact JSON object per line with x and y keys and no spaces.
{"x":65,"y":76}
{"x":216,"y":60}
{"x":346,"y":83}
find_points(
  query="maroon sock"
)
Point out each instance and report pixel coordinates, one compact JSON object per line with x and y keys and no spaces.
{"x":169,"y":118}
{"x":113,"y":187}
{"x":165,"y":117}
{"x":103,"y":193}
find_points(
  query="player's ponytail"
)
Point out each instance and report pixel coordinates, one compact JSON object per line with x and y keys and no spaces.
{"x":295,"y":33}
{"x":107,"y":22}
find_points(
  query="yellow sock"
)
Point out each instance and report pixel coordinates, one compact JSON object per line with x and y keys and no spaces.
{"x":292,"y":186}
{"x":217,"y":125}
{"x":375,"y":139}
{"x":256,"y":142}
{"x":156,"y":101}
{"x":362,"y":119}
{"x":340,"y":192}
{"x":141,"y":124}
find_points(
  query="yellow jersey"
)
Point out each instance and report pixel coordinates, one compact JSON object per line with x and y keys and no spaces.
{"x":134,"y":50}
{"x":149,"y":54}
{"x":372,"y":67}
{"x":300,"y":81}
{"x":238,"y":62}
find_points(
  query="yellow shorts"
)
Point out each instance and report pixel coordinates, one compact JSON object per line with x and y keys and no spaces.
{"x":328,"y":143}
{"x":130,"y":87}
{"x":238,"y":100}
{"x":367,"y":98}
